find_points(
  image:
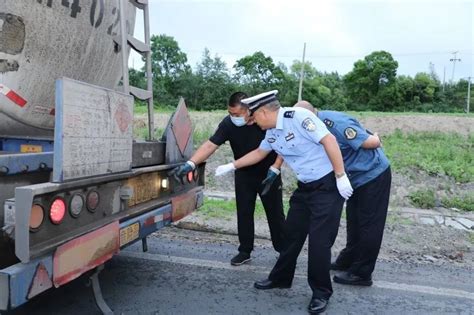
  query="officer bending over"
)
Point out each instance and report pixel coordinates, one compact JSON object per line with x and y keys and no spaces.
{"x":312,"y":152}
{"x":368,"y":170}
{"x":244,"y":136}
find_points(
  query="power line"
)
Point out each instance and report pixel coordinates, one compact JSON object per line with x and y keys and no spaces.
{"x":454,"y":59}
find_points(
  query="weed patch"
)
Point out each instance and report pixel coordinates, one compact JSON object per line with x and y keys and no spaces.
{"x":435,"y":153}
{"x":423,"y":198}
{"x":465,"y":203}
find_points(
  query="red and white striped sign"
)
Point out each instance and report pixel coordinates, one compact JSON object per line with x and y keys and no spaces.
{"x":12,"y":95}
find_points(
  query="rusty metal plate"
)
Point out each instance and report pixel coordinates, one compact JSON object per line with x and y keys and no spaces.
{"x":181,"y":126}
{"x":93,"y":131}
{"x":85,"y":253}
{"x":145,"y":188}
{"x":184,"y":204}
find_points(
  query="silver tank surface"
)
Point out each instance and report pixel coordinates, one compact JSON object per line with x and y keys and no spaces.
{"x":43,"y":40}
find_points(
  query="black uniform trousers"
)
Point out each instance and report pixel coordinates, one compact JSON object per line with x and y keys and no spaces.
{"x":247,"y":185}
{"x":366,"y":214}
{"x":315,"y":208}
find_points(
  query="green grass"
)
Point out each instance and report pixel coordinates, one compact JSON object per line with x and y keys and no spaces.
{"x":435,"y":153}
{"x":465,"y":202}
{"x":142,"y":108}
{"x":395,"y":218}
{"x":424,"y":199}
{"x":226,"y":209}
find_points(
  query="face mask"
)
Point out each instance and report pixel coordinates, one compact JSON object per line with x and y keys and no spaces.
{"x":238,"y":121}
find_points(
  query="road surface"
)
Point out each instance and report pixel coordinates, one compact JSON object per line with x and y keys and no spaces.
{"x":188,"y":272}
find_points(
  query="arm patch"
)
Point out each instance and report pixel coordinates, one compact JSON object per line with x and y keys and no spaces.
{"x":350,"y":133}
{"x":308,"y":124}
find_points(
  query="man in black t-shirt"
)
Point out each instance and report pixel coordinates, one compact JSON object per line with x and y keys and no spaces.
{"x":244,"y":136}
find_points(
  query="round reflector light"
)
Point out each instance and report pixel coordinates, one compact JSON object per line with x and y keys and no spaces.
{"x":57,"y":211}
{"x":76,"y":205}
{"x":92,"y":200}
{"x":36,"y":218}
{"x":190,"y":176}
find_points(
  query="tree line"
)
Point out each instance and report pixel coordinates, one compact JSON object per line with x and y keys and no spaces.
{"x":372,"y":84}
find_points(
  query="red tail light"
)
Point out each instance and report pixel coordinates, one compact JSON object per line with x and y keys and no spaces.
{"x":190,"y":176}
{"x":57,"y":211}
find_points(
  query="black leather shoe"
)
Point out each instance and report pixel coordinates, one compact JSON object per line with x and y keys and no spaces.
{"x":337,"y":267}
{"x":240,"y":259}
{"x":317,"y":305}
{"x":269,"y":284}
{"x":350,"y":278}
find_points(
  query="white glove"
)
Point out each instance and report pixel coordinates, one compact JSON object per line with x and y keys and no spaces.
{"x":223,"y":169}
{"x":344,"y":186}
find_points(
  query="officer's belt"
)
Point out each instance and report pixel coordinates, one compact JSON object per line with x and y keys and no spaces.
{"x":316,"y":184}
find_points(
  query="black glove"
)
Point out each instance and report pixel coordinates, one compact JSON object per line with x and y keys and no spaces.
{"x":268,"y":181}
{"x":179,"y":171}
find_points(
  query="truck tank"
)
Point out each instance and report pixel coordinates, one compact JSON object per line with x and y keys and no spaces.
{"x":43,"y":40}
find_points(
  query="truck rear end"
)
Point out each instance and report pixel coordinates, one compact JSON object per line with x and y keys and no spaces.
{"x":75,"y":188}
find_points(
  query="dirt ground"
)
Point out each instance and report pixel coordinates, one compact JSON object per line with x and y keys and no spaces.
{"x":404,"y":240}
{"x":388,"y":124}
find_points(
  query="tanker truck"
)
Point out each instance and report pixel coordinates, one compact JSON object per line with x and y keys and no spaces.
{"x":75,"y":187}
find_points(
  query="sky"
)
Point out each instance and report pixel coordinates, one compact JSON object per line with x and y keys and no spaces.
{"x":419,"y":34}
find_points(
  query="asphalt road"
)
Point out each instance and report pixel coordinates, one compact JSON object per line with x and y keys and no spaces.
{"x":187,"y":272}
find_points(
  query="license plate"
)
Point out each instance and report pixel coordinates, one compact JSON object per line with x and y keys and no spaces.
{"x":129,"y":234}
{"x":28,"y":148}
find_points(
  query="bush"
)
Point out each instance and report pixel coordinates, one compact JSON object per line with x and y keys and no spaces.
{"x":423,"y":198}
{"x":465,"y":203}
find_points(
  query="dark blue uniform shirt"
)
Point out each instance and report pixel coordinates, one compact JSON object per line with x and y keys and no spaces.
{"x":362,"y":165}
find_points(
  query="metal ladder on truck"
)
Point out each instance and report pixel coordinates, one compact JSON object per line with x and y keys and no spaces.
{"x":126,"y":41}
{"x":144,"y":48}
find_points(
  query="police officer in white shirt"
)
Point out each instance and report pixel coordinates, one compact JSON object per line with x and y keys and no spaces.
{"x":312,"y":152}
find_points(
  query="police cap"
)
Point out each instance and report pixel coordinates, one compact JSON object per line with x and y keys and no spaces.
{"x":257,"y":101}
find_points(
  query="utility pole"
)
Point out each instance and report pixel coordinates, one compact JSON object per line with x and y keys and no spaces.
{"x":300,"y":91}
{"x":454,"y":59}
{"x":444,"y":77}
{"x":468,"y":94}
